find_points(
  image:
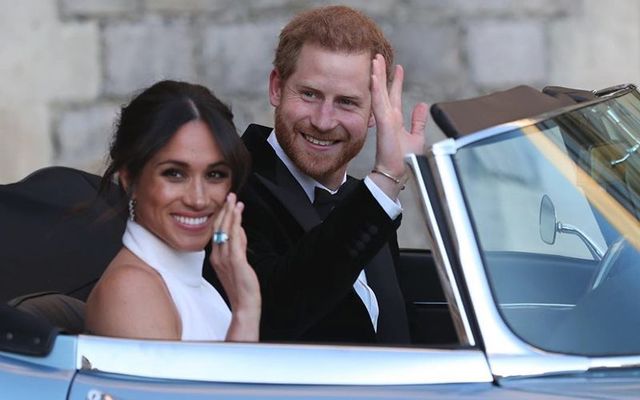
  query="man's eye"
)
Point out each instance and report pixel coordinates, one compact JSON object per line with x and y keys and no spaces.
{"x":347,"y":102}
{"x":308,"y":94}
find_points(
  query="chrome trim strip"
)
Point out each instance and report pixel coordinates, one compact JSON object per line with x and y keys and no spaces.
{"x":536,"y":305}
{"x":430,"y":303}
{"x":280,"y":363}
{"x":443,"y":264}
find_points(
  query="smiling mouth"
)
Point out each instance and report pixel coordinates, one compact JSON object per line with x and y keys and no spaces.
{"x":190,"y":221}
{"x":317,"y":141}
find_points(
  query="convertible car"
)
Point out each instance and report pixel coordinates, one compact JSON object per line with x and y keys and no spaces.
{"x":531,"y":289}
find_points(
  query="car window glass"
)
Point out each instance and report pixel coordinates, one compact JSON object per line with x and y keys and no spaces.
{"x":505,"y":197}
{"x":572,"y":286}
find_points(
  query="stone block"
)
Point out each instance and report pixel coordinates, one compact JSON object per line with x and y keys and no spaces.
{"x":431,"y":57}
{"x":72,"y":70}
{"x":25,"y":144}
{"x":189,"y":5}
{"x":238,"y":57}
{"x":97,"y":8}
{"x":43,"y":61}
{"x":138,"y":53}
{"x":83,"y":134}
{"x":598,"y":48}
{"x":249,"y":109}
{"x":491,"y":8}
{"x":375,"y":9}
{"x":35,"y":65}
{"x":503,"y":53}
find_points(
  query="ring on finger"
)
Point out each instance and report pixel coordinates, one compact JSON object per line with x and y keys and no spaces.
{"x":220,"y":237}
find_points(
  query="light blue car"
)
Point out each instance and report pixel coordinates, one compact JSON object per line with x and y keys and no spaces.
{"x":531,"y":290}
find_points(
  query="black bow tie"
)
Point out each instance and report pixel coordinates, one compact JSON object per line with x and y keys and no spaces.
{"x":324,"y":201}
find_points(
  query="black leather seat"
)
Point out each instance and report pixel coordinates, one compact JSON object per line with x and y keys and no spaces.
{"x":60,"y":310}
{"x":57,"y":237}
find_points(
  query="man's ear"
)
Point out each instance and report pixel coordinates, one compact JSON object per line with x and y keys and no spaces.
{"x":372,"y":120}
{"x":275,"y":88}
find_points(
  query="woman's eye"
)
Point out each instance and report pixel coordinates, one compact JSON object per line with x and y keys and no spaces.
{"x":172,"y":173}
{"x":218,"y":175}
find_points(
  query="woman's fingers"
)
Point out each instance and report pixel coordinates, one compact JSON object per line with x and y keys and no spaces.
{"x":227,"y":218}
{"x":217,"y":219}
{"x":236,"y":275}
{"x":221,"y":224}
{"x":238,"y":245}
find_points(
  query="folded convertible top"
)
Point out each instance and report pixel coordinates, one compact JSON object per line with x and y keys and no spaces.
{"x":462,"y":117}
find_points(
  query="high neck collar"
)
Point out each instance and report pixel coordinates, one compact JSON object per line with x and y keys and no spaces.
{"x":184,"y":265}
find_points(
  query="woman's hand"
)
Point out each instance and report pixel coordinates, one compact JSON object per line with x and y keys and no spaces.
{"x":229,"y":260}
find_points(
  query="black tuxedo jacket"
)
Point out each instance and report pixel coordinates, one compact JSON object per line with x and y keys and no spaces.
{"x":307,"y":267}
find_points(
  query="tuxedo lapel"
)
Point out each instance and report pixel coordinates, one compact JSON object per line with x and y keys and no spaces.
{"x":276,"y":178}
{"x":293,"y":198}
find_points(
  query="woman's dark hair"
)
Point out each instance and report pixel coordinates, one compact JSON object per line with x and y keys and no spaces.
{"x":151,"y":119}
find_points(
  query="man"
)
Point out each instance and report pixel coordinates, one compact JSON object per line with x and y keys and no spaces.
{"x":329,"y":279}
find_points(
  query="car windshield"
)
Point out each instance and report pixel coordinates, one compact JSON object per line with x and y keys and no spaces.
{"x":555,"y":208}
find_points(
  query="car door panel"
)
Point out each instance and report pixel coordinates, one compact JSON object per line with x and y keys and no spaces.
{"x":429,"y":318}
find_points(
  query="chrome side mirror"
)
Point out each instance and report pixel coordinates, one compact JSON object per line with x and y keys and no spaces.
{"x":548,"y":220}
{"x":550,"y":226}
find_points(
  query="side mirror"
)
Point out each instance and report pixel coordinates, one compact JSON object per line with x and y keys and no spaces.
{"x":548,"y":220}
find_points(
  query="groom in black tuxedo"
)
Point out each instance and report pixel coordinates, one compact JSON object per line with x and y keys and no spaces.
{"x":326,"y":263}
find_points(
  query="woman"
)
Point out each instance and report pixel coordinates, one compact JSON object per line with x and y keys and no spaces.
{"x":179,"y":159}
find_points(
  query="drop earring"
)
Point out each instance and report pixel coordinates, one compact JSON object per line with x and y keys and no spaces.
{"x":132,"y":209}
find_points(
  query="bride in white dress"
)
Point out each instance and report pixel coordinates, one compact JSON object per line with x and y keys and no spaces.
{"x":179,"y":159}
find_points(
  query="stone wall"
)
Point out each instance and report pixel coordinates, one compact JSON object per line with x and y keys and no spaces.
{"x":67,"y":65}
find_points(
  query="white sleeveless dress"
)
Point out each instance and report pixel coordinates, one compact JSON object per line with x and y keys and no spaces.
{"x":204,"y":314}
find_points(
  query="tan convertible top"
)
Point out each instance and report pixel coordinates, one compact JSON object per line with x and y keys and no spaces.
{"x":462,"y":117}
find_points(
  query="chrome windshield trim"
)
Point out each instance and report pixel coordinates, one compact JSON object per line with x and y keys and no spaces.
{"x":280,"y":363}
{"x":613,"y":90}
{"x":450,"y":286}
{"x":450,"y":146}
{"x":494,"y":131}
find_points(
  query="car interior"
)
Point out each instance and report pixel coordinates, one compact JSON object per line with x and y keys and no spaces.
{"x":60,"y":235}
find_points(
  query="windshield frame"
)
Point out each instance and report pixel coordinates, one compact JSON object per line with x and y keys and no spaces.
{"x":508,"y":354}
